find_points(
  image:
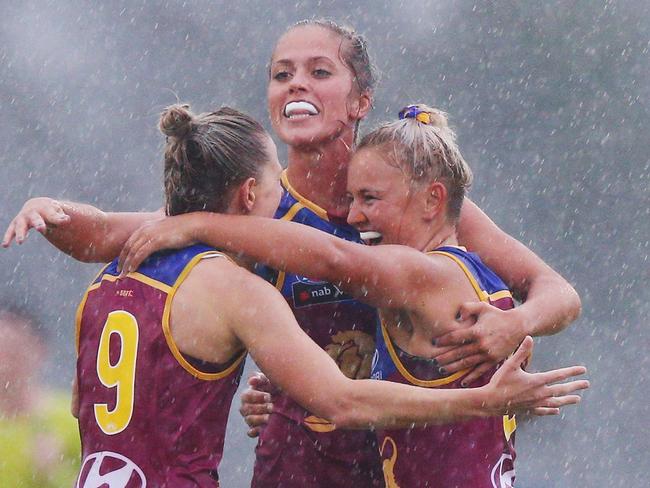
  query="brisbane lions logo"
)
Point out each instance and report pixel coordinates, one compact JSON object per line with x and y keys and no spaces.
{"x":353,"y":351}
{"x":110,"y":470}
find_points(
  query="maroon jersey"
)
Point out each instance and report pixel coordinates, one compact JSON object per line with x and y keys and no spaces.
{"x":149,"y":415}
{"x":297,"y":448}
{"x":477,"y":453}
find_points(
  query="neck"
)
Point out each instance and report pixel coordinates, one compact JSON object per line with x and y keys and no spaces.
{"x":320,"y":174}
{"x":445,"y":235}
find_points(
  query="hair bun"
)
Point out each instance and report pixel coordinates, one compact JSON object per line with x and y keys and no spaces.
{"x":425,"y":115}
{"x":176,"y":121}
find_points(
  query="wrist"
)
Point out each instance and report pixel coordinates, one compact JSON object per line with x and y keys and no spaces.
{"x":482,"y":401}
{"x":522,"y":322}
{"x":195,"y":227}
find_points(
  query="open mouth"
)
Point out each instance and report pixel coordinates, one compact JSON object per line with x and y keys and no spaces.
{"x":299,"y":110}
{"x":371,"y":237}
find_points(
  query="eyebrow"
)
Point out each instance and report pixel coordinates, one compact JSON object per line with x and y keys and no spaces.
{"x":311,"y":60}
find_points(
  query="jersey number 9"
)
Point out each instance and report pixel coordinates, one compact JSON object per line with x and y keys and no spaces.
{"x":121,"y":375}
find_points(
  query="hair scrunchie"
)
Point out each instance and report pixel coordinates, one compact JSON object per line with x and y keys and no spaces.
{"x":413,"y":112}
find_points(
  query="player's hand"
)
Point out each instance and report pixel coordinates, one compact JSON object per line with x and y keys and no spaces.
{"x":37,"y":213}
{"x":483,"y":345}
{"x":167,"y":233}
{"x":512,"y":389}
{"x":256,"y":403}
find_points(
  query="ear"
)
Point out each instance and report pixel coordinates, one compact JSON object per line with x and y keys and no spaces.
{"x":246,"y":195}
{"x":362,"y":106}
{"x":435,"y":200}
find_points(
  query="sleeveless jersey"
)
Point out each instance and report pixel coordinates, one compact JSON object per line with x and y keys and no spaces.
{"x":345,"y":328}
{"x":477,"y":453}
{"x":149,"y":415}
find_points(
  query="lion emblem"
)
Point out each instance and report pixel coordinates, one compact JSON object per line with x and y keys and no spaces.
{"x":353,"y":351}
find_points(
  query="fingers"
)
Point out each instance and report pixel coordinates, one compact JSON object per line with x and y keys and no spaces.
{"x":37,"y":214}
{"x":562,"y":389}
{"x":256,"y":421}
{"x":254,"y":432}
{"x":476,"y":373}
{"x":10,"y":233}
{"x":260,"y":382}
{"x":561,"y":374}
{"x":457,"y":354}
{"x":136,"y":250}
{"x":21,"y":228}
{"x":521,"y":355}
{"x":543,"y":411}
{"x":469,"y":309}
{"x":258,"y":406}
{"x":457,"y":337}
{"x":464,"y":363}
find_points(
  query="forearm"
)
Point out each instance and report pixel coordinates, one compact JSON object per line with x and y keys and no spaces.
{"x":551,"y":305}
{"x":93,"y":235}
{"x":550,"y":302}
{"x":282,"y":245}
{"x":384,"y":404}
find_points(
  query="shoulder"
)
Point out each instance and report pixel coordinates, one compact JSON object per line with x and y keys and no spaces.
{"x":228,"y":283}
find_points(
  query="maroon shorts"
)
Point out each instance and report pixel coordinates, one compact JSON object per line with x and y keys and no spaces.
{"x":290,"y":455}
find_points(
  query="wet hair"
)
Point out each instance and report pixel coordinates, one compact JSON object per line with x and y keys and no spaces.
{"x":353,"y":52}
{"x":426,"y":152}
{"x":207,"y":156}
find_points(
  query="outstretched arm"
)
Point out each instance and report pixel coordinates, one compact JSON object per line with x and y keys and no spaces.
{"x":264,"y":323}
{"x":383,"y":276}
{"x":82,"y":231}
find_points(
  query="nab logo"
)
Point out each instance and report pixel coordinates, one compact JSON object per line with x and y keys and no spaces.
{"x":306,"y":293}
{"x":110,"y":470}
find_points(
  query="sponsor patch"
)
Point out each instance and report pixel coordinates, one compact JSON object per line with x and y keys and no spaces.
{"x":110,"y":470}
{"x":307,"y":293}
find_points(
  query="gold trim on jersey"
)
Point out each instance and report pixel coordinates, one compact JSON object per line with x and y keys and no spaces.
{"x":483,"y":295}
{"x":405,"y":372}
{"x":167,"y":329}
{"x":82,"y":304}
{"x":291,"y":213}
{"x":509,"y":422}
{"x":321,"y":212}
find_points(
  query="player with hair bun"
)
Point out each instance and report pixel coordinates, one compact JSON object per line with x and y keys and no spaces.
{"x":161,"y":349}
{"x":320,"y":88}
{"x":407,"y":181}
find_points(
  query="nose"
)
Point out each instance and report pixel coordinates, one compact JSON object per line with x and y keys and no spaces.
{"x":298,"y":81}
{"x":355,"y":216}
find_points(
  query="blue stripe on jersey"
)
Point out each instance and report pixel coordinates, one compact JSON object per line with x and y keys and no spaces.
{"x":487,"y":279}
{"x":164,"y":266}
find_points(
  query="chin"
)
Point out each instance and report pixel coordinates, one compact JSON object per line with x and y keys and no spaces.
{"x":305,"y":136}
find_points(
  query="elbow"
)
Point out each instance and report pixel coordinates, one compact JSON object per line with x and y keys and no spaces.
{"x":575,"y":304}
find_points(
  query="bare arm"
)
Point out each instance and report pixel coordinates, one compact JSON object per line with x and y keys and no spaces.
{"x":82,"y":231}
{"x":550,"y":302}
{"x":264,"y":323}
{"x":383,"y":276}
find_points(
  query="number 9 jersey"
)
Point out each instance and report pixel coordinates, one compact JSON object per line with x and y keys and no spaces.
{"x":149,"y":415}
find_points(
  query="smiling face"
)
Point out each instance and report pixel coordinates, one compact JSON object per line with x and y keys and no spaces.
{"x":383,"y":198}
{"x":312,"y":95}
